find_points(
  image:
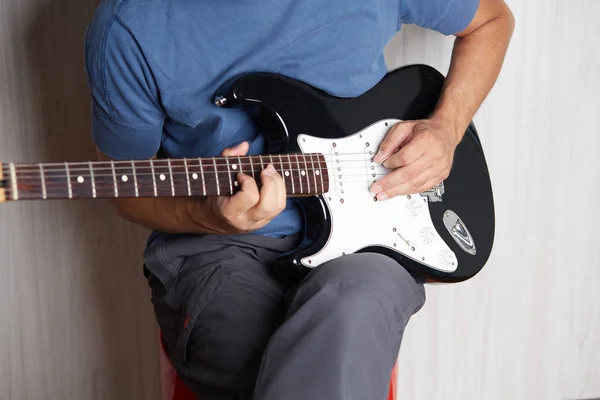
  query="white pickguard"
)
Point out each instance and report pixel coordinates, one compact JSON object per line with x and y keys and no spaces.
{"x":402,"y":223}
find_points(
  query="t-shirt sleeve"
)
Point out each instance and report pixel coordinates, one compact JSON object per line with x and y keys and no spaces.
{"x":126,"y":118}
{"x":445,"y":16}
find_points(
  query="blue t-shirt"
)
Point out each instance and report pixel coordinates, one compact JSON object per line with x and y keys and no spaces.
{"x":153,"y":65}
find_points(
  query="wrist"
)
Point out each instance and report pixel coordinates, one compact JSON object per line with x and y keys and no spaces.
{"x":452,"y":124}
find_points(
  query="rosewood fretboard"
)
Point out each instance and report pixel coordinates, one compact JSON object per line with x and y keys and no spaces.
{"x":303,"y":174}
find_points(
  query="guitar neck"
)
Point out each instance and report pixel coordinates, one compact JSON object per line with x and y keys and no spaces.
{"x":303,"y":174}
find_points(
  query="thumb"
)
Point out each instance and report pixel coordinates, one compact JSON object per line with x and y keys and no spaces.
{"x":394,"y":139}
{"x":238,"y":150}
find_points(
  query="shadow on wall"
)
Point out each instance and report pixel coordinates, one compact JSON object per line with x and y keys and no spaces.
{"x":117,"y":350}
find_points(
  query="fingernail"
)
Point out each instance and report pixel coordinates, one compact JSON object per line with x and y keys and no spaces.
{"x":382,"y":196}
{"x":378,"y":156}
{"x":270,"y":170}
{"x":375,"y":188}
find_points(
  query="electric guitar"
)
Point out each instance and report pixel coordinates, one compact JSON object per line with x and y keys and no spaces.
{"x":323,"y":148}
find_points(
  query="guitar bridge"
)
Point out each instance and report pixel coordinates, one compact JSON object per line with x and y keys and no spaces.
{"x":435,"y":193}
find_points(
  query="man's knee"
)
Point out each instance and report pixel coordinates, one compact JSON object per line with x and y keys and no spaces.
{"x":365,"y":283}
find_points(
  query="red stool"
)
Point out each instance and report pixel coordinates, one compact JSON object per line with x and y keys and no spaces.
{"x":174,"y":389}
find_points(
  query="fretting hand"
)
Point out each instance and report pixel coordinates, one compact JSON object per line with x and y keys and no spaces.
{"x":250,"y":208}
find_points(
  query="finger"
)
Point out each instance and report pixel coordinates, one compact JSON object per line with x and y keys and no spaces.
{"x":246,"y":198}
{"x":238,"y":150}
{"x":393,"y":140}
{"x":407,"y":155}
{"x":401,"y":176}
{"x":414,"y":186}
{"x":272,"y":195}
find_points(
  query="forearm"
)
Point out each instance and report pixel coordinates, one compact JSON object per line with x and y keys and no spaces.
{"x":477,"y":59}
{"x":170,"y":215}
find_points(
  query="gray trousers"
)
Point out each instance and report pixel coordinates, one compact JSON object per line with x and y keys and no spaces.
{"x":234,"y":332}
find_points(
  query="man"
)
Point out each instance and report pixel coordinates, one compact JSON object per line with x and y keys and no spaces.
{"x":231,"y":330}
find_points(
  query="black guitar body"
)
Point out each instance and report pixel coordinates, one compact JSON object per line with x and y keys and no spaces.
{"x":286,"y":108}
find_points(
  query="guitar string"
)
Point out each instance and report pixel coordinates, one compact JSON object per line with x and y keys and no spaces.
{"x":208,"y":160}
{"x":178,"y":179}
{"x":180,"y":191}
{"x":181,"y":178}
{"x":197,"y":183}
{"x":36,"y":169}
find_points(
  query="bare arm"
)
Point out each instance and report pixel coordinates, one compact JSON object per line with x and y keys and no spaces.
{"x":477,"y":59}
{"x":427,"y":146}
{"x":166,"y":214}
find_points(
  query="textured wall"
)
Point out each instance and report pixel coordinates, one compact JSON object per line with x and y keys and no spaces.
{"x":527,"y":327}
{"x":75,"y":322}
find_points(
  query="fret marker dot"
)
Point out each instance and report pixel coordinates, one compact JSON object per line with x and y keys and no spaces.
{"x":233,"y":166}
{"x":194,"y":176}
{"x":302,"y":173}
{"x":80,"y":179}
{"x":124,"y":178}
{"x":162,"y":177}
{"x":236,"y":184}
{"x":317,"y":172}
{"x":287,"y":173}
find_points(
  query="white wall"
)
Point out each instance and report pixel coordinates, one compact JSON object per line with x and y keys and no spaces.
{"x":75,"y":322}
{"x":528,"y":326}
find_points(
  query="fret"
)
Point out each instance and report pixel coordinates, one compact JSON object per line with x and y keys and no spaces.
{"x":251,"y":167}
{"x":221,"y":167}
{"x":69,"y":185}
{"x":217,"y":177}
{"x":319,"y":173}
{"x":187,"y":177}
{"x":180,"y":180}
{"x":163,"y":178}
{"x":26,"y":182}
{"x":123,"y":176}
{"x":92,"y":180}
{"x":171,"y":176}
{"x":229,"y":175}
{"x":323,"y":173}
{"x":291,"y":174}
{"x":43,"y":180}
{"x":202,"y":175}
{"x":100,"y":183}
{"x":79,"y":183}
{"x":114,"y":175}
{"x":153,"y":178}
{"x":135,"y":183}
{"x":299,"y":175}
{"x":235,"y":167}
{"x":284,"y":174}
{"x":314,"y":171}
{"x":240,"y":163}
{"x":304,"y":172}
{"x":143,"y":173}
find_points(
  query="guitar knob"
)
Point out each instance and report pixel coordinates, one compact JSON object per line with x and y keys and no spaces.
{"x":427,"y":235}
{"x":412,"y":208}
{"x":447,"y":258}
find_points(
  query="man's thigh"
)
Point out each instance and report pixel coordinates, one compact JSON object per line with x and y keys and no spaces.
{"x":343,"y":330}
{"x":365,"y":274}
{"x":218,"y":314}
